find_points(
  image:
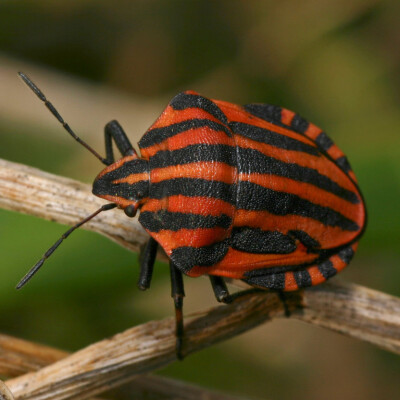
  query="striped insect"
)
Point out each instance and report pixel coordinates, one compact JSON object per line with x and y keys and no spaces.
{"x":250,"y":192}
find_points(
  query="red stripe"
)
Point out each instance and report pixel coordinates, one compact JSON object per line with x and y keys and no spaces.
{"x":198,"y":237}
{"x":316,"y":276}
{"x":208,"y":170}
{"x":172,"y":116}
{"x":203,"y":135}
{"x":287,"y":116}
{"x":290,"y":282}
{"x":195,"y":205}
{"x":335,"y":152}
{"x":133,"y":178}
{"x":116,"y":165}
{"x":337,"y":262}
{"x":312,"y":131}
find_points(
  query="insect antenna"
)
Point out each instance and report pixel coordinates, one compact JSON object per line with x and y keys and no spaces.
{"x":51,"y":250}
{"x":53,"y":110}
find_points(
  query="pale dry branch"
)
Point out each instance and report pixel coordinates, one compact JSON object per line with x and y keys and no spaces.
{"x":5,"y":393}
{"x":350,"y":309}
{"x":31,"y":191}
{"x":353,"y":310}
{"x":142,"y":349}
{"x":18,"y":357}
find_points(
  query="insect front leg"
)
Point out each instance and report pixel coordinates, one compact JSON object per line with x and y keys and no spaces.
{"x":177,"y":293}
{"x":113,"y":130}
{"x":146,"y":262}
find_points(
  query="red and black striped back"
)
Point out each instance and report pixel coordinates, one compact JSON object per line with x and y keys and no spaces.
{"x":193,"y":175}
{"x":238,"y":189}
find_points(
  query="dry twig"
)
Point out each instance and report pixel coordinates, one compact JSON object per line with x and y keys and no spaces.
{"x":18,"y":357}
{"x":5,"y":393}
{"x":31,"y":191}
{"x":353,"y":310}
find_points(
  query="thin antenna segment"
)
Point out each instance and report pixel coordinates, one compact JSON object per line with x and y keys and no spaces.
{"x":53,"y":110}
{"x":50,"y":251}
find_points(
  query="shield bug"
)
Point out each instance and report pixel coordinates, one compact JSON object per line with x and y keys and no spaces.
{"x":250,"y":192}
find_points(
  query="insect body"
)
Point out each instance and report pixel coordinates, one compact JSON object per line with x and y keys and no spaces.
{"x":254,"y":193}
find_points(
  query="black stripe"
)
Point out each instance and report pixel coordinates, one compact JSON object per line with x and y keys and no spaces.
{"x":299,"y":124}
{"x":174,"y":221}
{"x":267,"y":112}
{"x":136,"y":166}
{"x":251,"y":160}
{"x":346,"y":254}
{"x":272,"y":138}
{"x":324,"y":141}
{"x":255,"y":197}
{"x":192,"y":188}
{"x":343,"y":163}
{"x":302,"y":278}
{"x":273,"y":114}
{"x":185,"y":100}
{"x":194,"y":153}
{"x":308,"y":241}
{"x":281,"y":269}
{"x":127,"y":191}
{"x":272,"y":281}
{"x":185,"y":258}
{"x":158,"y":135}
{"x":326,"y":269}
{"x":254,"y":240}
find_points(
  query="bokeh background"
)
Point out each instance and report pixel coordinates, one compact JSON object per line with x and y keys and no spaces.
{"x":336,"y":62}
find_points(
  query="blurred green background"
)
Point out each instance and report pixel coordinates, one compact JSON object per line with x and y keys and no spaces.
{"x":335,"y":62}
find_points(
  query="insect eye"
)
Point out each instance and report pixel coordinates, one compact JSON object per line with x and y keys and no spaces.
{"x":130,"y":211}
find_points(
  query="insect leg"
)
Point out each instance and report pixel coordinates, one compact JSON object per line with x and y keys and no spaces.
{"x":177,"y":293}
{"x":282,"y":298}
{"x":229,"y":298}
{"x":146,"y":260}
{"x":113,"y":130}
{"x":220,"y":290}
